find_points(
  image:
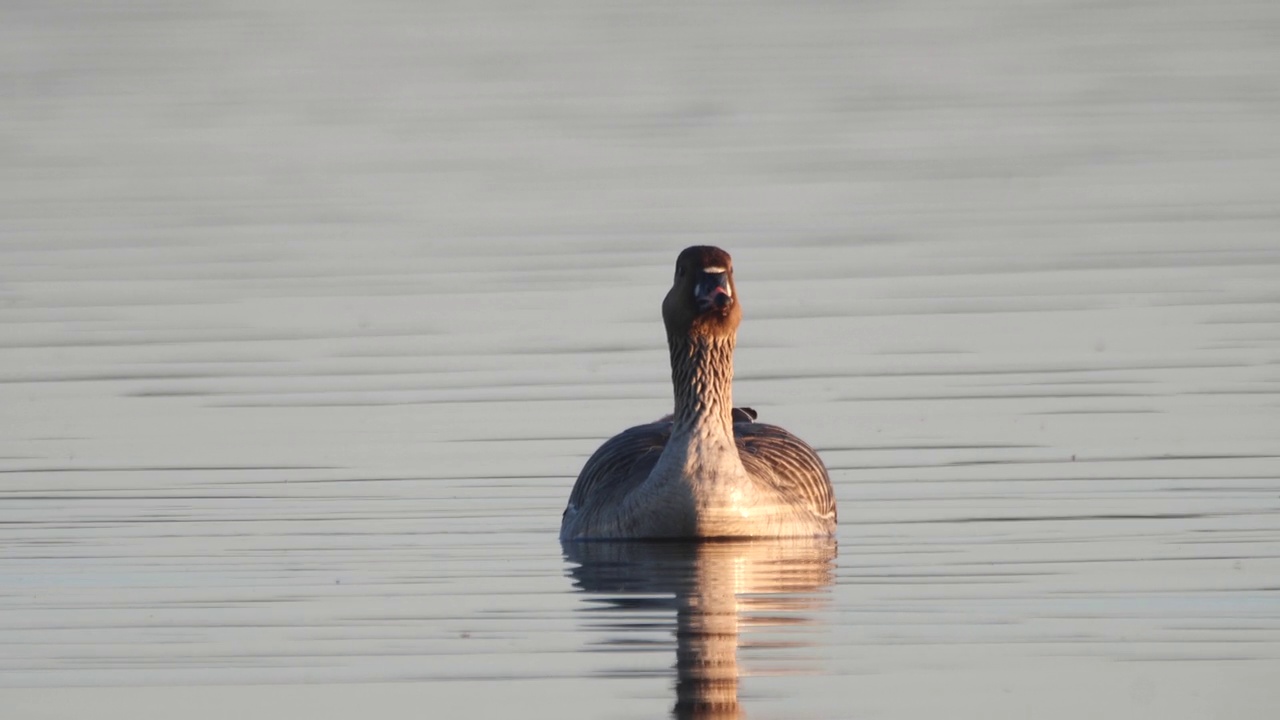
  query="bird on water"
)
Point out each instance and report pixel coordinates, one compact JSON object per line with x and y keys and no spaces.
{"x":708,"y":470}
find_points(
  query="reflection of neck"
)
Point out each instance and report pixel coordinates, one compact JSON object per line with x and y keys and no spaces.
{"x":707,"y":643}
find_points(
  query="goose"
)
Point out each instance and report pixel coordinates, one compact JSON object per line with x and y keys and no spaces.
{"x":708,"y":470}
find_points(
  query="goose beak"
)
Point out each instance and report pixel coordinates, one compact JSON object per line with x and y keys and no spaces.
{"x":712,"y":291}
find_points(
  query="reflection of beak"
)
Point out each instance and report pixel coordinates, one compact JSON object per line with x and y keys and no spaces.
{"x":713,"y":291}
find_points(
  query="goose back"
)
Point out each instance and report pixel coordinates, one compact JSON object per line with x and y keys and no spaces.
{"x":771,"y":456}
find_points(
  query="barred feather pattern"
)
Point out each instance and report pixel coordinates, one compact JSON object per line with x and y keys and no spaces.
{"x":772,"y":457}
{"x":709,"y":471}
{"x":702,"y":376}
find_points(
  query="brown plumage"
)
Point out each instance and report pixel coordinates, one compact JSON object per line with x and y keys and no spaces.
{"x":708,"y":470}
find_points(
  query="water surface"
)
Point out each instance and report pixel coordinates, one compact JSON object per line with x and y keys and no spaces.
{"x":310,"y":319}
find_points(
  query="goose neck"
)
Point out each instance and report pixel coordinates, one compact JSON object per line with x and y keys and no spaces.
{"x":702,"y":377}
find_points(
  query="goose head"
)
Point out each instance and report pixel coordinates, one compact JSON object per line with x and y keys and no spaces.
{"x":703,"y":301}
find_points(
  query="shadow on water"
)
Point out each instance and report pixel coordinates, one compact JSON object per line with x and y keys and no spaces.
{"x":716,"y":590}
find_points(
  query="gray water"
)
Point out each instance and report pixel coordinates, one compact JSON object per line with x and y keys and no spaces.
{"x":312,"y":312}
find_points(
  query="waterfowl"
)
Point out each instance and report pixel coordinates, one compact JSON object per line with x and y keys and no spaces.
{"x":708,"y":470}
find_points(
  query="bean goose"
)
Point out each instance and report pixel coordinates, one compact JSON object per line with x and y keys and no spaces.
{"x":708,"y":470}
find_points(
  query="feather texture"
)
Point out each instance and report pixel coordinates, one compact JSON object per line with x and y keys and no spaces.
{"x":708,"y":470}
{"x":771,"y":455}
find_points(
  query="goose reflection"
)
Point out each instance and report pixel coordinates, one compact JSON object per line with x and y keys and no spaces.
{"x":716,"y":590}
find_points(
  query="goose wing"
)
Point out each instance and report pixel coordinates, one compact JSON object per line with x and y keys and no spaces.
{"x":619,"y":466}
{"x":785,"y":462}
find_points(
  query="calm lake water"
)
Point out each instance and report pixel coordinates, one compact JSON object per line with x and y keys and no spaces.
{"x":310,"y":314}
